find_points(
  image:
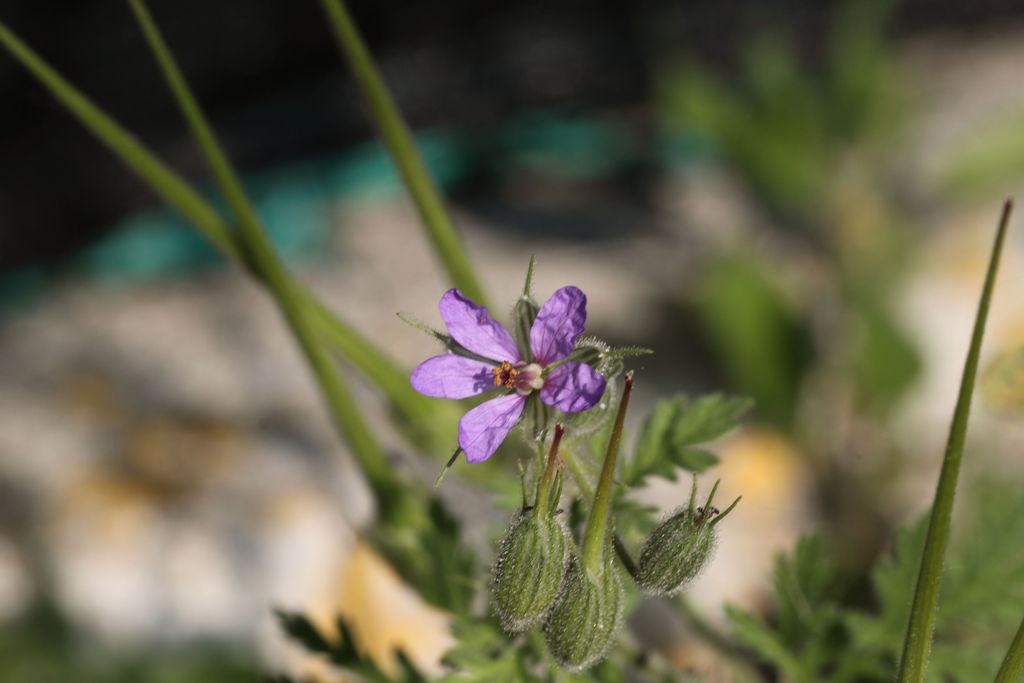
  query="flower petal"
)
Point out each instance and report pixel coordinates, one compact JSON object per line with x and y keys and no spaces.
{"x":482,"y":429}
{"x":559,"y":324}
{"x":472,"y":326}
{"x":572,"y":387}
{"x":451,"y":376}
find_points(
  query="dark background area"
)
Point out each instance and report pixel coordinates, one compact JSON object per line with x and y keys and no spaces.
{"x":268,"y":74}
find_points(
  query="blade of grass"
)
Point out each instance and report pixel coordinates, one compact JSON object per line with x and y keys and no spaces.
{"x":187,"y":201}
{"x":1012,"y":669}
{"x":921,"y":627}
{"x":252,"y":238}
{"x":400,"y":145}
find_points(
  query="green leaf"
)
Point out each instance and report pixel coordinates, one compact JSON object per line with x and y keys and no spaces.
{"x":768,"y":644}
{"x":696,"y":459}
{"x":651,"y":453}
{"x":707,"y":418}
{"x":982,"y":591}
{"x":344,"y":652}
{"x":483,"y":654}
{"x":433,"y":559}
{"x":808,"y":638}
{"x":674,"y":427}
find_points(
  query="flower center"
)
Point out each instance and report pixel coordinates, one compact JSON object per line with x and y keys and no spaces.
{"x":521,"y":377}
{"x":505,"y":376}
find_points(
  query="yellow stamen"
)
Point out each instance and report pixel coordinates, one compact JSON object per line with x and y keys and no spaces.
{"x":505,"y":375}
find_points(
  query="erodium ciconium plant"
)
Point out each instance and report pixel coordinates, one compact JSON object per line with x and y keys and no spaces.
{"x":484,"y":357}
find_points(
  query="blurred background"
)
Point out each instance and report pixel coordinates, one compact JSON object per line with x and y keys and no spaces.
{"x":789,"y":201}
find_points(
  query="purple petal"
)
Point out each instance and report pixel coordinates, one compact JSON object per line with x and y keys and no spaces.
{"x":472,"y":326}
{"x":572,"y":387}
{"x":482,"y":429}
{"x":559,"y":323}
{"x":451,"y":376}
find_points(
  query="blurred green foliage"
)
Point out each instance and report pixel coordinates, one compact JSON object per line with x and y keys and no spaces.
{"x":759,"y":341}
{"x":42,"y":647}
{"x":782,"y":125}
{"x":818,"y":634}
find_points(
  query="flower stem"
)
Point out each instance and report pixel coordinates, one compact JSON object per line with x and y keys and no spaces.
{"x":921,"y":627}
{"x":541,"y":504}
{"x":400,"y":145}
{"x":252,"y":240}
{"x":595,"y":538}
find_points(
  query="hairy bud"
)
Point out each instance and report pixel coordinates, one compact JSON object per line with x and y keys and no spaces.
{"x":530,"y":569}
{"x":680,"y":547}
{"x":582,"y":625}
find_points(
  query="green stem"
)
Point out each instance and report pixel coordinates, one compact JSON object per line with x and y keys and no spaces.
{"x":921,"y":627}
{"x":188,"y":202}
{"x":252,"y":238}
{"x":544,"y":488}
{"x":400,"y":145}
{"x":1012,"y":669}
{"x":596,"y":536}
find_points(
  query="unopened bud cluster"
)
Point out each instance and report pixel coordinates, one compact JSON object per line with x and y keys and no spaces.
{"x":574,"y":591}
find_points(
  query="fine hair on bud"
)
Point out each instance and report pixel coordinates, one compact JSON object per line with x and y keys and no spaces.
{"x":680,"y":547}
{"x":529,"y":570}
{"x":581,"y":627}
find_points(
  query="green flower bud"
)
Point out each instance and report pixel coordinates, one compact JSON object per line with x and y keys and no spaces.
{"x":582,"y":625}
{"x":530,"y":569}
{"x":680,"y":547}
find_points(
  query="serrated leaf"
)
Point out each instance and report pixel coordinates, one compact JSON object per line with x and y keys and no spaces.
{"x":651,"y":453}
{"x":981,"y":598}
{"x":301,"y":630}
{"x":766,"y":643}
{"x":484,"y":655}
{"x":708,"y":418}
{"x":673,"y":429}
{"x":343,"y":652}
{"x":696,"y":460}
{"x":435,"y":561}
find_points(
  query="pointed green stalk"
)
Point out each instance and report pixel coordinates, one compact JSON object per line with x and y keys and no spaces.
{"x":1012,"y":669}
{"x":191,"y":205}
{"x":595,"y":539}
{"x":252,"y":238}
{"x":921,"y":628}
{"x":400,"y":145}
{"x":543,"y":500}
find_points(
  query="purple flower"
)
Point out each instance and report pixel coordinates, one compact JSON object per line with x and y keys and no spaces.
{"x":570,"y":385}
